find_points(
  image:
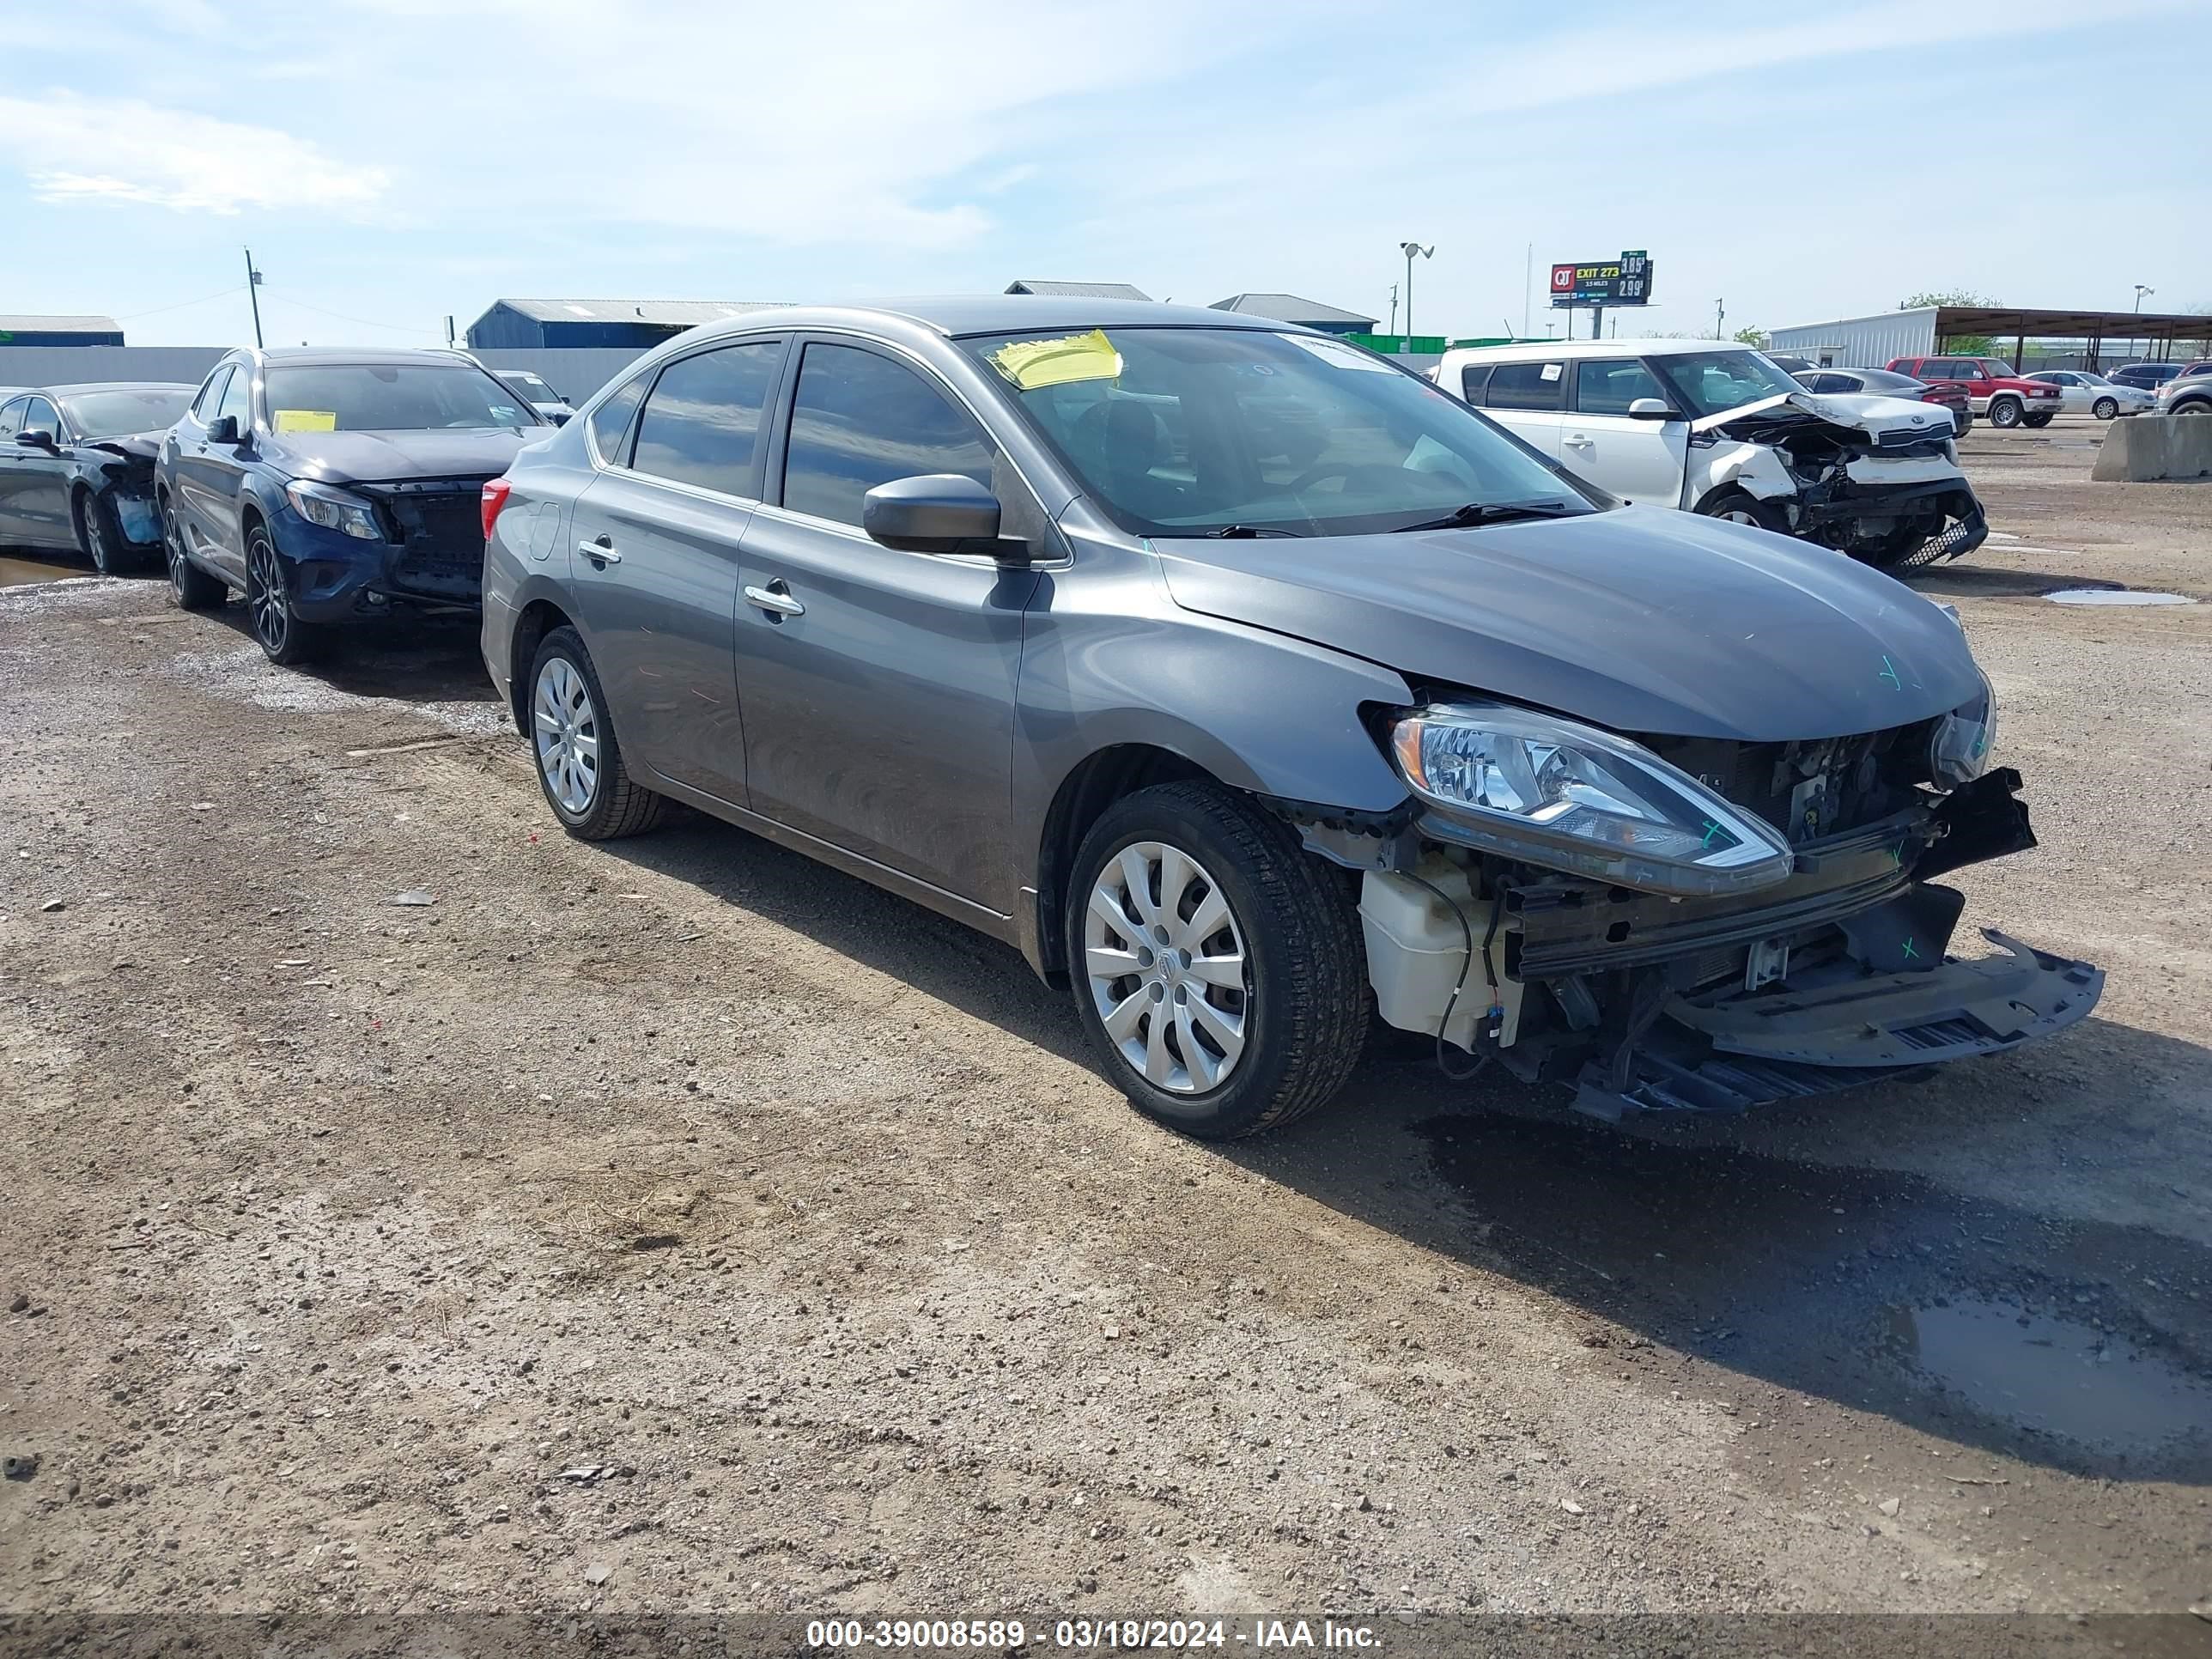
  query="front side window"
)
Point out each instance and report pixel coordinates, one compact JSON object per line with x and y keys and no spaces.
{"x":1608,"y":386}
{"x":1527,"y":385}
{"x":1207,"y":431}
{"x":210,"y":397}
{"x":702,"y":420}
{"x":858,"y":420}
{"x":114,"y":414}
{"x":388,"y":398}
{"x":238,"y":400}
{"x":1709,"y":382}
{"x":1996,"y":368}
{"x":40,"y":417}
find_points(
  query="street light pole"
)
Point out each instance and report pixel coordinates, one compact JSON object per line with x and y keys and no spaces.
{"x":2141,"y":289}
{"x":1409,"y":249}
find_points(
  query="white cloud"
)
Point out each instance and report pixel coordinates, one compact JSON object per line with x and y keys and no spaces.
{"x":74,"y":148}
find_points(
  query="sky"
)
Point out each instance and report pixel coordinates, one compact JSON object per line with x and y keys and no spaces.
{"x":394,"y":162}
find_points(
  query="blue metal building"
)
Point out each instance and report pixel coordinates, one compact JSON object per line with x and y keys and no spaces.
{"x":637,"y":324}
{"x":59,"y":332}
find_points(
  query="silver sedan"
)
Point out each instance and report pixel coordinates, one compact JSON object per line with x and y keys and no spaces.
{"x":2082,"y":393}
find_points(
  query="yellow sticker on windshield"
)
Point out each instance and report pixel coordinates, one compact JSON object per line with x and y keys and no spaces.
{"x":1030,"y":364}
{"x":306,"y":420}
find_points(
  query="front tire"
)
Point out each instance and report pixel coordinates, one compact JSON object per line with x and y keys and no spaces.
{"x":2004,"y":411}
{"x":191,"y":587}
{"x":1217,"y":966}
{"x":1740,"y":507}
{"x":284,"y":639}
{"x":100,"y":536}
{"x":580,"y":762}
{"x":2105,"y":408}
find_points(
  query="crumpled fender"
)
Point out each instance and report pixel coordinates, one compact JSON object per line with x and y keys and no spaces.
{"x":1755,"y":469}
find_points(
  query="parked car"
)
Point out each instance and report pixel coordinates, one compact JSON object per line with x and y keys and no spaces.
{"x":1719,"y":429}
{"x":327,"y":486}
{"x":2185,"y":394}
{"x":552,"y":407}
{"x":76,"y":468}
{"x":2145,"y":377}
{"x":2083,"y":392}
{"x":1880,"y":383}
{"x":1011,"y":605}
{"x":1799,"y":366}
{"x":1992,"y":389}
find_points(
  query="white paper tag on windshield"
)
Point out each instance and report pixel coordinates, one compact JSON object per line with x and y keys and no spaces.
{"x":1551,"y":372}
{"x":1337,"y":353}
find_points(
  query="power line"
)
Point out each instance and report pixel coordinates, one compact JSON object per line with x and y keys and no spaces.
{"x":134,"y":316}
{"x":365,"y":322}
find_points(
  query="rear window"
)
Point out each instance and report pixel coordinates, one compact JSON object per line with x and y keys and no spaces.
{"x":1527,"y":385}
{"x":389,"y":398}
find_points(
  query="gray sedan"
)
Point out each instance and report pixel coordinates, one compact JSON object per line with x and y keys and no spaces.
{"x":1252,"y":688}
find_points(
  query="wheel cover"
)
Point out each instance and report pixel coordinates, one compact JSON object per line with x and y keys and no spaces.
{"x":1166,"y":964}
{"x":1740,"y":515}
{"x":264,"y":596}
{"x":567,"y":735}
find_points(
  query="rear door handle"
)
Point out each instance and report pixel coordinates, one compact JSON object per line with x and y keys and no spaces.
{"x":775,"y":600}
{"x":600,"y":552}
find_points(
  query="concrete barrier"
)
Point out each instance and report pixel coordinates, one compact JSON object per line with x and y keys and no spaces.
{"x":2149,"y":448}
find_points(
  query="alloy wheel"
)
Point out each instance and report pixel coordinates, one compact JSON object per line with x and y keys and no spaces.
{"x":566,"y":732}
{"x":2105,"y":409}
{"x":264,"y":593}
{"x":172,"y":548}
{"x":103,"y":557}
{"x":1740,"y":515}
{"x":1167,"y":967}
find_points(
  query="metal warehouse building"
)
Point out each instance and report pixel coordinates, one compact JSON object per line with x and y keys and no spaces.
{"x":1299,"y":313}
{"x":1077,"y":290}
{"x":59,"y":332}
{"x":1871,"y":342}
{"x":637,"y":324}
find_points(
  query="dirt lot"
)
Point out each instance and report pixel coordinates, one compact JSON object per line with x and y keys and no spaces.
{"x":677,"y":1225}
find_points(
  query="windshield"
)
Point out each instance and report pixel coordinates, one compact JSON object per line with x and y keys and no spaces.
{"x":1707,"y":382}
{"x":533,"y":388}
{"x":388,"y":398}
{"x":114,"y":414}
{"x":1202,"y":431}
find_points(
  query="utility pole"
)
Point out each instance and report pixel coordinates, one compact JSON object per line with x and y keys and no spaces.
{"x":1527,"y":288}
{"x":1409,"y":249}
{"x":1720,"y":317}
{"x":254,"y":294}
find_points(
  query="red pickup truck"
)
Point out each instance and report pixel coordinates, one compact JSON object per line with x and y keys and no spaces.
{"x":1992,"y":389}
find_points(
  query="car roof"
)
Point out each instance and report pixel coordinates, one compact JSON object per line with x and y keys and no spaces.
{"x":82,"y":386}
{"x":957,"y":314}
{"x":1549,"y":350}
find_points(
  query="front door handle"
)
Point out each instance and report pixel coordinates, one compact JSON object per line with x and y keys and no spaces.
{"x":775,"y":600}
{"x":1578,"y":442}
{"x":600,"y":552}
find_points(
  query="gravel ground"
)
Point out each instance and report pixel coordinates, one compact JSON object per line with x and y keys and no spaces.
{"x":677,"y":1225}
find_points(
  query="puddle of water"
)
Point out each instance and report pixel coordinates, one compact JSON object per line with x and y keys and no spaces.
{"x":18,"y":573}
{"x":2052,"y":1375}
{"x":2114,"y":596}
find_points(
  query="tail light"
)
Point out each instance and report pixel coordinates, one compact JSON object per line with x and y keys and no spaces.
{"x":495,"y":492}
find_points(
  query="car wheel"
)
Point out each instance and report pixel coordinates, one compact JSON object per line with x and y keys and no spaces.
{"x":2105,"y":408}
{"x":191,"y":587}
{"x":285,"y":639}
{"x":580,"y":762}
{"x":98,"y":533}
{"x":1217,"y":966}
{"x":2037,"y":421}
{"x":1739,"y":507}
{"x":2004,"y":411}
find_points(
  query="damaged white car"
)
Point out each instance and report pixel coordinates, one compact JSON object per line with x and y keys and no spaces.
{"x":1721,"y":430}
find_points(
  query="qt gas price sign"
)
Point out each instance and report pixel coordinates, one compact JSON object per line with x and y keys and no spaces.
{"x":1623,"y":282}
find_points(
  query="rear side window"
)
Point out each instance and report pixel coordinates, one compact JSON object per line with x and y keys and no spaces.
{"x":609,"y":423}
{"x":1828,"y":382}
{"x":11,"y":417}
{"x":858,"y":420}
{"x":1527,"y":385}
{"x":204,"y":406}
{"x":701,"y":424}
{"x":1608,"y":386}
{"x":1473,"y":379}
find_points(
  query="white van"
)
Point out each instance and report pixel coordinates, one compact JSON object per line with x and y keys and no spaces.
{"x":1717,"y":428}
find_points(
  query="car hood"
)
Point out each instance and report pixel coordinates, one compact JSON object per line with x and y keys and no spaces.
{"x":1857,"y":412}
{"x":1642,"y":619}
{"x":139,"y":446}
{"x":376,"y":457}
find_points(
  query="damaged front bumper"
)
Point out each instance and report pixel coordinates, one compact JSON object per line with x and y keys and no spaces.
{"x":1840,"y":975}
{"x":1880,"y":519}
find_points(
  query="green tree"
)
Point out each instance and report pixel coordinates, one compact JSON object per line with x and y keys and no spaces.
{"x":1966,"y":345}
{"x":1750,"y":337}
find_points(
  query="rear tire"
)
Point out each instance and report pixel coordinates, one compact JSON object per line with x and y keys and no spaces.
{"x":284,"y":639}
{"x":2004,"y":411}
{"x":580,"y":760}
{"x":191,"y":587}
{"x":1245,"y":1001}
{"x":2037,"y":421}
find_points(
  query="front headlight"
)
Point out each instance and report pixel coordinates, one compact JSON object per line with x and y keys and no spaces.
{"x":1573,"y":797}
{"x":1959,"y":752}
{"x":333,"y":509}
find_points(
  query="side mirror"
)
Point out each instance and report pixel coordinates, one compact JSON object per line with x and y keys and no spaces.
{"x":223,"y":429}
{"x":1651,"y":409}
{"x":561,"y":416}
{"x":935,"y":513}
{"x":36,"y":438}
